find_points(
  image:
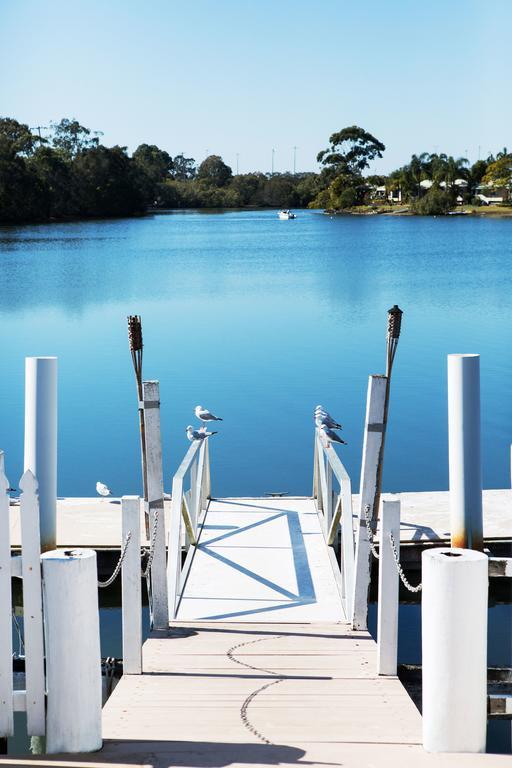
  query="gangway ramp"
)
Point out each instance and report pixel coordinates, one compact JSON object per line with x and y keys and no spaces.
{"x":261,"y":560}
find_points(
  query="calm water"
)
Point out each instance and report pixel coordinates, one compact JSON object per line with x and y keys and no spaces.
{"x":259,"y":320}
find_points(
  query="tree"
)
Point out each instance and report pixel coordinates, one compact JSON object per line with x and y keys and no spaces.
{"x":499,"y":173}
{"x":106,"y":183}
{"x":71,"y":138}
{"x":183,"y":168}
{"x":17,"y":136}
{"x":155,"y":163}
{"x":351,"y":150}
{"x":214,"y":171}
{"x":54,"y":175}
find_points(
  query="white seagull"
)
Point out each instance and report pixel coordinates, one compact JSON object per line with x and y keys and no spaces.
{"x":198,"y":434}
{"x":103,"y":489}
{"x":331,"y":435}
{"x":203,"y":414}
{"x":326,"y":417}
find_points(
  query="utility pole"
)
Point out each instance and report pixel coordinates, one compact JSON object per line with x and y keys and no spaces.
{"x":39,"y":128}
{"x":294,"y":160}
{"x":273,"y":152}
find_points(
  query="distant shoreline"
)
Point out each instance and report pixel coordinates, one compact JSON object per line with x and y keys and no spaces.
{"x":492,"y":212}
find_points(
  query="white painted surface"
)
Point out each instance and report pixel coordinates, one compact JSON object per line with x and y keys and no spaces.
{"x":261,"y":560}
{"x":387,"y":611}
{"x":464,"y":450}
{"x":131,"y":588}
{"x":155,"y":483}
{"x":73,"y":660}
{"x":375,"y":402}
{"x":32,"y":606}
{"x":6,"y":686}
{"x":454,"y":649}
{"x":41,"y":439}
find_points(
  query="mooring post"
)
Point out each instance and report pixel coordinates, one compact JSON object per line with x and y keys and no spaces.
{"x":454,"y":649}
{"x":464,"y":451}
{"x":41,"y":440}
{"x":131,"y":587}
{"x":388,"y":605}
{"x":155,"y":490}
{"x":373,"y":434}
{"x":73,"y":661}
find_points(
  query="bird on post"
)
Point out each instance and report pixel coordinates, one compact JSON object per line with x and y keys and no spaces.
{"x":103,"y":489}
{"x":198,"y":434}
{"x":323,"y":417}
{"x":331,"y":436}
{"x":204,"y":415}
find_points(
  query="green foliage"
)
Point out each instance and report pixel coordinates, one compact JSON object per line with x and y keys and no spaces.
{"x":499,"y":172}
{"x":351,"y":150}
{"x":70,"y":138}
{"x":434,"y":203}
{"x":214,"y":171}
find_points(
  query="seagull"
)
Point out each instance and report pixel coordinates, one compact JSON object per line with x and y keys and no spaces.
{"x":205,"y":415}
{"x":327,"y":419}
{"x":322,"y":419}
{"x":103,"y":489}
{"x":198,"y":434}
{"x":331,"y":435}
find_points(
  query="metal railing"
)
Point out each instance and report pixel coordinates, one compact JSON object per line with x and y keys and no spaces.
{"x":335,"y":508}
{"x":187,"y":512}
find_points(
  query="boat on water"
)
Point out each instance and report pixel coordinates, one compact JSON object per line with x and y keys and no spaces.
{"x":286,"y":214}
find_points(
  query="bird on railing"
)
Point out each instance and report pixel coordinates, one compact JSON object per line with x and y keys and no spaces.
{"x":103,"y":489}
{"x":198,"y":434}
{"x":331,"y":436}
{"x":325,"y":418}
{"x":204,"y":415}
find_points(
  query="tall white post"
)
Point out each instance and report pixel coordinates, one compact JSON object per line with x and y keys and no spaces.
{"x":373,"y":435}
{"x":41,"y":440}
{"x":454,"y":649}
{"x":73,"y":661}
{"x":131,"y":601}
{"x":387,"y":613}
{"x":464,"y":451}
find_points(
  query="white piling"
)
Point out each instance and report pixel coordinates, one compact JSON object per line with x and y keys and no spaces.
{"x":464,"y":451}
{"x":73,"y":661}
{"x":388,"y":605}
{"x":41,"y":440}
{"x":131,"y":588}
{"x":454,"y":649}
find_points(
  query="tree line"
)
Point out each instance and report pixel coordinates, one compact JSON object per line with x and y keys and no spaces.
{"x":71,"y":174}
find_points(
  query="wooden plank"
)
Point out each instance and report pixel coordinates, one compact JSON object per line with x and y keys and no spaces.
{"x":131,"y":588}
{"x":6,"y":684}
{"x":387,"y":612}
{"x":373,"y":433}
{"x":155,"y":485}
{"x":32,"y":605}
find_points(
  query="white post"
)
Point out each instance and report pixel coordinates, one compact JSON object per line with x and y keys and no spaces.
{"x":373,"y":432}
{"x":454,"y":649}
{"x":464,"y":451}
{"x":6,"y":710}
{"x":131,"y":588}
{"x":73,"y":661}
{"x":155,"y":483}
{"x":41,"y":440}
{"x":387,"y":613}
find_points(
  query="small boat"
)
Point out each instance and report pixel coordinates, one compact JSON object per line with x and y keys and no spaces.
{"x":286,"y":214}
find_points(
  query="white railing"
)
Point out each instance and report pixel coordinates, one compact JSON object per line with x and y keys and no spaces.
{"x":187,"y":513}
{"x":335,"y":507}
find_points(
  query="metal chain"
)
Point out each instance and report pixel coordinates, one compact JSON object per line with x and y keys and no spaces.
{"x":151,"y":551}
{"x":400,"y":569}
{"x":369,"y":531}
{"x":108,"y":582}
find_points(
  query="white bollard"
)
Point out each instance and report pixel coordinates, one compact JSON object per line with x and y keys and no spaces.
{"x":41,"y":440}
{"x":73,"y":660}
{"x":464,"y":451}
{"x":388,"y":605}
{"x":454,"y":649}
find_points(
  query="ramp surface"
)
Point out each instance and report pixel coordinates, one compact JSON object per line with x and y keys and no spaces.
{"x":261,"y":560}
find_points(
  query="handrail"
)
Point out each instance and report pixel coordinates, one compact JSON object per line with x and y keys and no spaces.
{"x":328,"y":465}
{"x":187,"y":508}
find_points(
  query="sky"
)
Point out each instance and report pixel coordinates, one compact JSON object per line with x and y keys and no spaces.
{"x":240,"y":78}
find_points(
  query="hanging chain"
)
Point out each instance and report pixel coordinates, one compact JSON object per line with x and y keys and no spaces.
{"x":108,"y":582}
{"x":151,"y":551}
{"x":369,"y":531}
{"x":400,"y":569}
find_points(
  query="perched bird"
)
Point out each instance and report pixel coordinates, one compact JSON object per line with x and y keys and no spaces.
{"x":198,"y":434}
{"x":327,"y":419}
{"x":103,"y":489}
{"x":205,"y":415}
{"x":331,"y":435}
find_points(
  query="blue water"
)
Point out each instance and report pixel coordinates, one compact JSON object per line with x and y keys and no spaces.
{"x":258,"y":320}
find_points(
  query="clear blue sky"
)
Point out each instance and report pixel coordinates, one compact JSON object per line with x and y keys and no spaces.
{"x":233,"y":76}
